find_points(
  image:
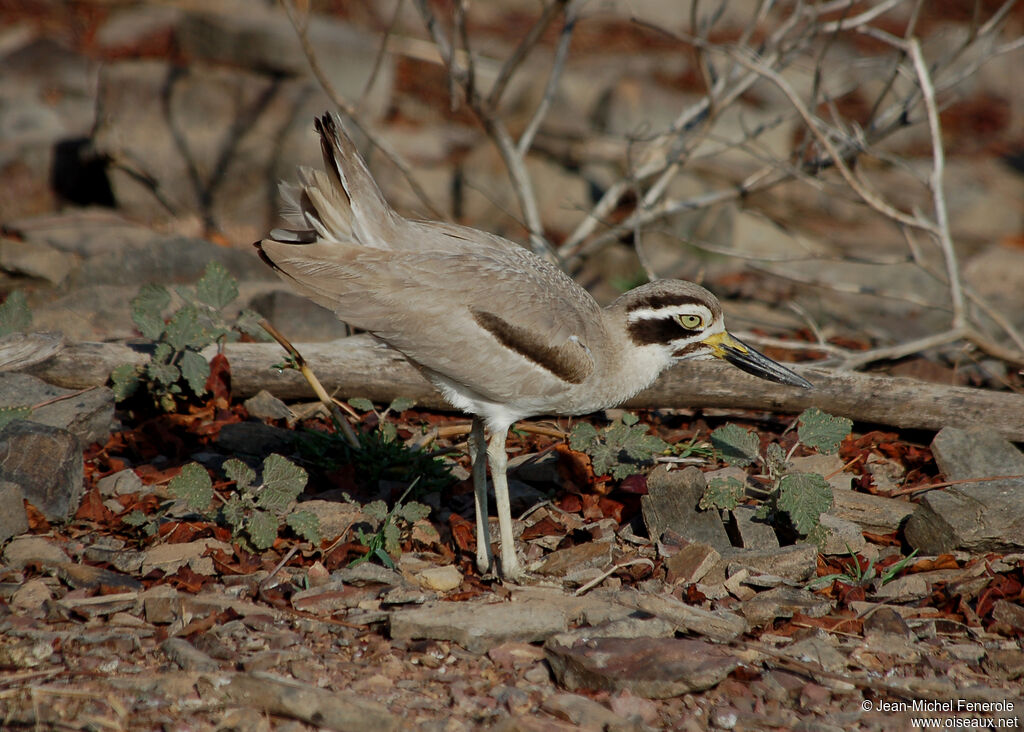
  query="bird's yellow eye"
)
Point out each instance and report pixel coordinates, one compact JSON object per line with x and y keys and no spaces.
{"x":691,"y":322}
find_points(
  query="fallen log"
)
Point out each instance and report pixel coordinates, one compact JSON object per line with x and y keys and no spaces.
{"x":359,"y":366}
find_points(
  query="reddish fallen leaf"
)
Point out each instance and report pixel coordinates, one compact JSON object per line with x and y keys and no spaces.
{"x":592,"y":507}
{"x":576,"y":469}
{"x":218,"y":383}
{"x":463,"y":533}
{"x":635,"y":484}
{"x":182,"y":532}
{"x":610,"y":508}
{"x":36,"y":520}
{"x":570,"y":503}
{"x":92,"y":509}
{"x":200,"y":625}
{"x":186,"y":579}
{"x":547,"y":526}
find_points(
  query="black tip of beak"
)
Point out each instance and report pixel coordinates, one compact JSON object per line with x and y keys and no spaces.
{"x":763,"y":367}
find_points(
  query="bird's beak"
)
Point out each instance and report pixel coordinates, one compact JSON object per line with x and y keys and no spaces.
{"x":739,"y":354}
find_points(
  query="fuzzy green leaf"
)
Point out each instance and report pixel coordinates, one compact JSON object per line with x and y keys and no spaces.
{"x":629,"y":419}
{"x":413,"y":511}
{"x":620,"y":450}
{"x":9,"y":414}
{"x":363,"y":405}
{"x":377,"y":510}
{"x":147,"y":308}
{"x":306,"y":524}
{"x":723,"y":493}
{"x":400,"y":404}
{"x":804,"y":496}
{"x":283,"y":481}
{"x":15,"y":316}
{"x":234,"y":512}
{"x":736,"y":445}
{"x":392,"y":538}
{"x":775,"y":458}
{"x":262,"y":529}
{"x":242,"y":474}
{"x":216,"y":287}
{"x":583,"y":436}
{"x":162,"y":373}
{"x":196,"y":371}
{"x":184,"y":330}
{"x":822,"y":431}
{"x":249,"y":323}
{"x":193,"y":485}
{"x":135,"y":518}
{"x":125,"y":381}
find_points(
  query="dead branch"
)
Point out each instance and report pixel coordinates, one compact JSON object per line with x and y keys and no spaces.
{"x":361,"y":367}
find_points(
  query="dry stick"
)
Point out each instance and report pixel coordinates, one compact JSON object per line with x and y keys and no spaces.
{"x":350,"y":112}
{"x":557,"y":66}
{"x":493,"y":126}
{"x":948,"y":483}
{"x":940,"y":229}
{"x":521,"y":51}
{"x":936,"y":185}
{"x":318,"y":388}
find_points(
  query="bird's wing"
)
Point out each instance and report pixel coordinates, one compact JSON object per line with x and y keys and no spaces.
{"x":497,"y":319}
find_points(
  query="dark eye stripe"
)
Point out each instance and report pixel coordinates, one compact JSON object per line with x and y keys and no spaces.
{"x":656,"y":330}
{"x":655,"y":302}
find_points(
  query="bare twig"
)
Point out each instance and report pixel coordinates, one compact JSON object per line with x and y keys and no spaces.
{"x":300,"y":24}
{"x":318,"y":388}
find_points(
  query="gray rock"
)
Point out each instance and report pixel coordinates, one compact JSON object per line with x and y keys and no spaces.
{"x":977,"y":517}
{"x":264,"y":405}
{"x":88,"y":415}
{"x":13,"y":518}
{"x":24,"y":550}
{"x":261,"y":37}
{"x":783,"y":602}
{"x":36,"y":260}
{"x":671,"y":503}
{"x":120,"y":483}
{"x":84,"y":232}
{"x":19,"y":351}
{"x":478,"y":626}
{"x":656,"y":668}
{"x":753,"y":533}
{"x":838,"y":536}
{"x":128,"y":28}
{"x":215,"y":151}
{"x":46,"y":462}
{"x":302,"y":319}
{"x":797,"y":562}
{"x":255,"y":438}
{"x":583,"y":712}
{"x":877,"y":514}
{"x":187,"y":656}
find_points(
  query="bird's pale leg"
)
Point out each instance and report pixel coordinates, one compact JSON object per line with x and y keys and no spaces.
{"x":478,"y":454}
{"x":497,"y":457}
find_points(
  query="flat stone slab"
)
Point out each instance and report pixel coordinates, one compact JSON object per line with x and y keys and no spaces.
{"x":986,"y":516}
{"x":88,"y":415}
{"x":478,"y":626}
{"x":671,"y":503}
{"x":656,"y":668}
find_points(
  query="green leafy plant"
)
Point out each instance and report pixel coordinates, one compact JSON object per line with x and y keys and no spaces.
{"x":621,"y":449}
{"x":386,"y":541}
{"x":798,"y":499}
{"x":381,"y":455}
{"x":15,"y":316}
{"x":176,"y":361}
{"x":859,"y":575}
{"x":257,"y":510}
